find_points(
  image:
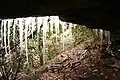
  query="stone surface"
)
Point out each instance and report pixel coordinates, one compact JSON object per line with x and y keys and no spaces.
{"x":93,"y":13}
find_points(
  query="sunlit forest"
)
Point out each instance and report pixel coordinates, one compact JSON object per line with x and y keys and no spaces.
{"x":46,"y":48}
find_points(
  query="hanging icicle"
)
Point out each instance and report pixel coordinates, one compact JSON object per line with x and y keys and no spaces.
{"x":74,"y":25}
{"x":46,"y":26}
{"x":2,"y":23}
{"x":44,"y":38}
{"x":30,"y":25}
{"x":51,"y":24}
{"x":56,"y":22}
{"x":70,"y":30}
{"x":70,"y":27}
{"x":39,"y":23}
{"x":108,"y":35}
{"x":101,"y":35}
{"x":38,"y":30}
{"x":21,"y":34}
{"x":63,"y":26}
{"x":96,"y":32}
{"x":9,"y":24}
{"x":33,"y":25}
{"x":5,"y":45}
{"x":14,"y":29}
{"x":27,"y":23}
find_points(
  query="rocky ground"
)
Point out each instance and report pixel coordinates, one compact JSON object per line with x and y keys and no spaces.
{"x":81,"y":63}
{"x":78,"y":63}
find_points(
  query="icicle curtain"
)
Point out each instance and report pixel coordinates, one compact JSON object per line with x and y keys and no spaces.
{"x":44,"y":31}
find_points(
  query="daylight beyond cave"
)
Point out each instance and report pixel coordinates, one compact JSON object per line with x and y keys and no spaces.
{"x":33,"y":41}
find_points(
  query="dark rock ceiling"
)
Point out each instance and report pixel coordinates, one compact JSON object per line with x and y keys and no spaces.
{"x":103,"y":14}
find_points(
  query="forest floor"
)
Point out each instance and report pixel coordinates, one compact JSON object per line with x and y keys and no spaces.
{"x":81,"y":63}
{"x":77,"y":63}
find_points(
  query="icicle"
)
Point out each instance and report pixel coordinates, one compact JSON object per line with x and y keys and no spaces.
{"x":93,"y":30}
{"x":62,"y":36}
{"x":27,"y":22}
{"x":21,"y":35}
{"x":96,"y":32}
{"x":109,"y":40}
{"x":39,"y":22}
{"x":105,"y":34}
{"x":74,"y":25}
{"x":2,"y":33}
{"x":56,"y":21}
{"x":5,"y":21}
{"x":38,"y":29}
{"x":63,"y":25}
{"x":9,"y":24}
{"x":31,"y":24}
{"x":70,"y":28}
{"x":32,"y":28}
{"x":101,"y":35}
{"x":58,"y":24}
{"x":46,"y":26}
{"x":44,"y":39}
{"x":14,"y":26}
{"x":51,"y":24}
